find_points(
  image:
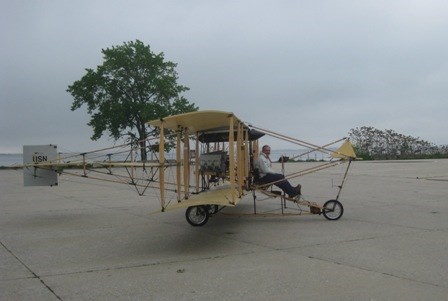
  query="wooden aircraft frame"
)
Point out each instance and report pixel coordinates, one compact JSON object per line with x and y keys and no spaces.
{"x":241,"y":140}
{"x":215,"y":173}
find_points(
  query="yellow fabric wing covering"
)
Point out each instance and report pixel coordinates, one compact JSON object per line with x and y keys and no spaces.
{"x":221,"y":196}
{"x":196,"y":121}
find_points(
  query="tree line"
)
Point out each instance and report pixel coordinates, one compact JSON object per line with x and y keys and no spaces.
{"x":374,"y":144}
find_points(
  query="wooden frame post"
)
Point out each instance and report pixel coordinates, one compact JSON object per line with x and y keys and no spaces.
{"x":232,"y":158}
{"x":246,"y":157}
{"x":240,"y":157}
{"x":178,"y":166}
{"x":186,"y":164}
{"x":162,"y":166}
{"x":197,"y":163}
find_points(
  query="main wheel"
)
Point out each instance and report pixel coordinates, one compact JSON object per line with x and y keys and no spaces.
{"x":333,"y":210}
{"x":197,"y":215}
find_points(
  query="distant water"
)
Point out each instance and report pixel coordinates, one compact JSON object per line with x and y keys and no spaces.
{"x":10,"y":159}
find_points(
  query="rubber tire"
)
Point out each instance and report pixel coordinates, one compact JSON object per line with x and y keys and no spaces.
{"x":335,"y":212}
{"x":197,"y":215}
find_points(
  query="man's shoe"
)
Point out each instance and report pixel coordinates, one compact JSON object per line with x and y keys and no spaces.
{"x":299,"y":189}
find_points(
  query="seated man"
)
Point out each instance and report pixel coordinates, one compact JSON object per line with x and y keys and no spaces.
{"x":268,"y":175}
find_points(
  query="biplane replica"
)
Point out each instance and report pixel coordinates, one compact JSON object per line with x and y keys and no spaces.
{"x":201,"y":161}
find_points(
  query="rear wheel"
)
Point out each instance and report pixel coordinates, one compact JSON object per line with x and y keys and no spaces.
{"x":197,"y":215}
{"x":333,"y":210}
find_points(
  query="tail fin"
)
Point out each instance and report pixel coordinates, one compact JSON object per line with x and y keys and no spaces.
{"x":37,"y":169}
{"x":345,"y":151}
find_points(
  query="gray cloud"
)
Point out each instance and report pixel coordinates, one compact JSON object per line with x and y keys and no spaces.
{"x":312,"y":69}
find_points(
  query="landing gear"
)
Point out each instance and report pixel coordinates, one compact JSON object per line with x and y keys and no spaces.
{"x":212,"y":209}
{"x":333,"y":210}
{"x":197,"y":215}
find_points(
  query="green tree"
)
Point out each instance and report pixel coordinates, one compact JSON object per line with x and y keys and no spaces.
{"x":371,"y":143}
{"x":132,"y":86}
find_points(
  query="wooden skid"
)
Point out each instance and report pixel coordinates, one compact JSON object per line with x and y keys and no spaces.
{"x":300,"y":202}
{"x":268,"y":214}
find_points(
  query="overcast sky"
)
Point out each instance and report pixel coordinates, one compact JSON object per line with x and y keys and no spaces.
{"x":308,"y":69}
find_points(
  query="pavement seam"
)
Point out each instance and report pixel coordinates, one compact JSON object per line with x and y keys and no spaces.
{"x":391,"y":224}
{"x":378,"y":272}
{"x":361,"y":268}
{"x":35,"y":276}
{"x":147,"y":265}
{"x":361,"y":239}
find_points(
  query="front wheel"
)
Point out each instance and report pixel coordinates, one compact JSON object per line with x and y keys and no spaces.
{"x":197,"y":215}
{"x":333,"y":210}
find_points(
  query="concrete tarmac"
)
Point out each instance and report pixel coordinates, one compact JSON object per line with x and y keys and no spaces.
{"x":89,"y":240}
